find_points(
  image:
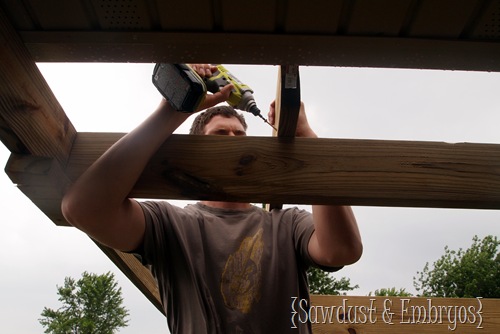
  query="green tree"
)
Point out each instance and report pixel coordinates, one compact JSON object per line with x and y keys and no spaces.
{"x":474,"y":272}
{"x":391,"y":292}
{"x":321,"y":283}
{"x":91,"y":305}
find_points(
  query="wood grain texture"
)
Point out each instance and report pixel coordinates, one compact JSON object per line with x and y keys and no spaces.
{"x":32,"y":119}
{"x":271,"y":49}
{"x":395,"y":315}
{"x":312,"y":171}
{"x":289,"y":101}
{"x":137,"y":273}
{"x":42,"y":180}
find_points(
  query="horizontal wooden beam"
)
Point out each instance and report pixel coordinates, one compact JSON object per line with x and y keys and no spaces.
{"x":395,"y":315}
{"x":311,"y":171}
{"x":272,"y":49}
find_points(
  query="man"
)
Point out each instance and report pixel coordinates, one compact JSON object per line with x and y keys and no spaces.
{"x":221,"y":267}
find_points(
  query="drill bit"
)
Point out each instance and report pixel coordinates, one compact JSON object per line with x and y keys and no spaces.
{"x":266,"y":121}
{"x":252,"y":108}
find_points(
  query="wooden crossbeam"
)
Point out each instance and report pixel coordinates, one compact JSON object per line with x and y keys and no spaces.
{"x":312,"y":171}
{"x":31,"y":117}
{"x":395,"y":315}
{"x":272,"y":49}
{"x":34,"y":127}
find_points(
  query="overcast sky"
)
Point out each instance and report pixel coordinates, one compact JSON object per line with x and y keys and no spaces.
{"x":448,"y":106}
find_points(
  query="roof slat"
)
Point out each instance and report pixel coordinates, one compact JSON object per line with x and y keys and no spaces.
{"x":194,"y":15}
{"x":251,"y":16}
{"x":60,"y":15}
{"x":442,"y":19}
{"x":488,"y":24}
{"x":147,"y":47}
{"x":324,"y":14}
{"x":378,"y":18}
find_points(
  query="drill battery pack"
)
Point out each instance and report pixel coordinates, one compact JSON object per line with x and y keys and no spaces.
{"x":180,"y":85}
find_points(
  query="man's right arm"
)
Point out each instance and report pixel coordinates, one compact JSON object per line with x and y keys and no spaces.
{"x":98,"y":204}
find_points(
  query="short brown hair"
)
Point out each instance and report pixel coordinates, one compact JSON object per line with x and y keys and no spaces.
{"x":198,"y":126}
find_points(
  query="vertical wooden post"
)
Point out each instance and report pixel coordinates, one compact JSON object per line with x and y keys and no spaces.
{"x":287,"y":107}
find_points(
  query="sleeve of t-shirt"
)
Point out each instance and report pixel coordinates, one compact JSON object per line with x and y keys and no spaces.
{"x":154,"y":234}
{"x":303,"y":230}
{"x":158,"y":231}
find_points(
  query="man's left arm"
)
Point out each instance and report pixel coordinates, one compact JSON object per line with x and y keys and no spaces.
{"x":336,"y":240}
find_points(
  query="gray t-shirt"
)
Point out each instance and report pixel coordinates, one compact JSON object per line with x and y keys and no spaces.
{"x":228,"y":271}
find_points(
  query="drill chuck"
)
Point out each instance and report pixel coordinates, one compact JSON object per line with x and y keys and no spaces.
{"x":247,"y":103}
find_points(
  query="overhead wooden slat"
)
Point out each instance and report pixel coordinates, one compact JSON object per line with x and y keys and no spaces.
{"x":350,"y":32}
{"x":378,"y":18}
{"x":444,"y":18}
{"x":325,"y":15}
{"x":252,"y":16}
{"x":175,"y":15}
{"x":262,"y":49}
{"x":59,"y":15}
{"x":309,"y":170}
{"x":27,"y":105}
{"x":122,"y":14}
{"x":18,"y":15}
{"x":488,"y":24}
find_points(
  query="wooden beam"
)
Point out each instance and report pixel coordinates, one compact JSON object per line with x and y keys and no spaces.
{"x":42,"y":180}
{"x":395,"y":315}
{"x":32,"y":119}
{"x":287,"y":107}
{"x":288,"y":103}
{"x":312,"y":171}
{"x":272,"y":49}
{"x":136,"y":273}
{"x":34,"y":127}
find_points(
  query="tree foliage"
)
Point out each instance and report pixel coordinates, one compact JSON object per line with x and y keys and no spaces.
{"x":321,"y":283}
{"x":91,"y":305}
{"x":474,"y":272}
{"x":391,"y":292}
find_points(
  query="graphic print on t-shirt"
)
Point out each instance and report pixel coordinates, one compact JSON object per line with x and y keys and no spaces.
{"x":241,"y":278}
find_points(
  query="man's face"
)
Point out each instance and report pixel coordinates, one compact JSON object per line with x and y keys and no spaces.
{"x":225,"y":126}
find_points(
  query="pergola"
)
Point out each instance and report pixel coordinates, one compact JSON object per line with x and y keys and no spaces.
{"x":48,"y":153}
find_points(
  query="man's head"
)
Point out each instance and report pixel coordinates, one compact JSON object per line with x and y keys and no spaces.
{"x":200,"y":122}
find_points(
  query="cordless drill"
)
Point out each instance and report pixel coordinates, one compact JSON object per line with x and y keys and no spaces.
{"x":185,"y":89}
